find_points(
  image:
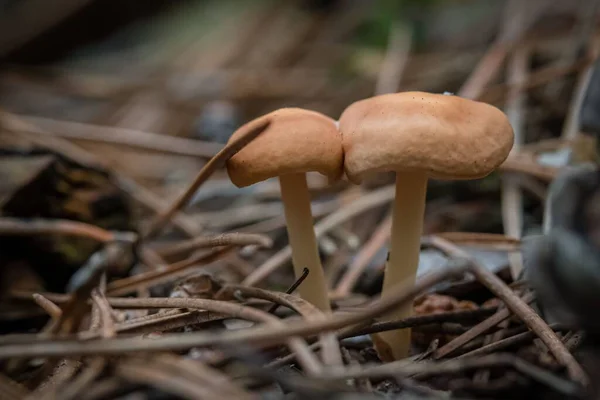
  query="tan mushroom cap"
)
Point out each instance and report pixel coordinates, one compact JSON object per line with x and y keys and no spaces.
{"x":447,"y":136}
{"x":296,"y":140}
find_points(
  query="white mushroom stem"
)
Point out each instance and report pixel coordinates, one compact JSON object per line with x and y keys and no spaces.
{"x":301,"y":234}
{"x":405,"y":244}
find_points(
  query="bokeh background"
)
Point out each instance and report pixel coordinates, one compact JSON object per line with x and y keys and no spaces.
{"x":110,"y":108}
{"x":149,"y":91}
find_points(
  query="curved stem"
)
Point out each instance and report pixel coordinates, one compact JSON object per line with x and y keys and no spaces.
{"x":405,"y":245}
{"x":301,"y":234}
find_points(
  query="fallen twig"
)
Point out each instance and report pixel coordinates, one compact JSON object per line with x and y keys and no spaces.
{"x":19,"y":227}
{"x":259,"y":336}
{"x":224,"y":239}
{"x":521,"y":309}
{"x":329,"y":344}
{"x":209,"y":168}
{"x":376,"y":198}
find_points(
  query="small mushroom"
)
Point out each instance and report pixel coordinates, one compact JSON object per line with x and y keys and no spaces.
{"x":418,"y":136}
{"x":296,"y":142}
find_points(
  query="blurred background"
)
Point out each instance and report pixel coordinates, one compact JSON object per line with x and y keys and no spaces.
{"x":146,"y":92}
{"x":198,"y":68}
{"x":110,"y":108}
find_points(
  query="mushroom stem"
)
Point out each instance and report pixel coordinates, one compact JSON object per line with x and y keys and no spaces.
{"x":301,"y":235}
{"x":405,"y":245}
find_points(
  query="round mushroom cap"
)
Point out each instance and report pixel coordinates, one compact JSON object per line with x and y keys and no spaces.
{"x":446,"y":136}
{"x":296,"y":141}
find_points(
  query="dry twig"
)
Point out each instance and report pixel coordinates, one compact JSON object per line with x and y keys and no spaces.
{"x":211,"y":166}
{"x":259,"y":336}
{"x":522,"y":310}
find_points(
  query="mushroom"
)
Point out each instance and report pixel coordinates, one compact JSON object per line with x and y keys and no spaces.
{"x":418,"y":136}
{"x":297,"y":141}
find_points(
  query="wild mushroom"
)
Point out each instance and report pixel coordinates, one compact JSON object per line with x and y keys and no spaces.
{"x":297,"y":141}
{"x":418,"y":136}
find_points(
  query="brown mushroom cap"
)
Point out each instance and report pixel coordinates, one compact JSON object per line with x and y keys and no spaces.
{"x":296,"y":141}
{"x":447,"y":136}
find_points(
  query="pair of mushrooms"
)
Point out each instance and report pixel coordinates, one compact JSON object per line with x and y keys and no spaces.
{"x":417,"y":135}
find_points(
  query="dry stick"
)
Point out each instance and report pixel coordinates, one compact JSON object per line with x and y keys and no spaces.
{"x":489,"y":66}
{"x":268,"y":225}
{"x":121,"y":137}
{"x":52,"y":309}
{"x":225,"y":218}
{"x":144,"y":372}
{"x":511,"y":197}
{"x":151,"y":259}
{"x":189,"y":381}
{"x":104,"y":388}
{"x":260,"y":336}
{"x":223,"y":239}
{"x":329,"y":344}
{"x":96,"y":364}
{"x":542,"y":76}
{"x":240,"y":83}
{"x":202,"y":374}
{"x":74,"y":389}
{"x":305,"y":356}
{"x":380,"y":236}
{"x":475,"y":331}
{"x":131,"y":284}
{"x":106,"y":313}
{"x":396,"y":57}
{"x":155,"y":204}
{"x":218,"y":161}
{"x":429,"y":368}
{"x":162,"y":321}
{"x":502,"y":344}
{"x":525,"y":163}
{"x":20,"y":227}
{"x":348,"y":238}
{"x":362,"y":204}
{"x":241,"y":267}
{"x":410,"y":322}
{"x":55,"y":319}
{"x":571,"y":124}
{"x":417,"y":321}
{"x":485,"y":71}
{"x":65,"y":371}
{"x":76,"y":153}
{"x":334,"y":265}
{"x":520,"y":309}
{"x":531,"y":185}
{"x":482,"y":376}
{"x":74,"y":311}
{"x":77,"y":305}
{"x":291,"y":289}
{"x":546,"y":145}
{"x":61,"y":372}
{"x":492,"y":241}
{"x":583,"y":31}
{"x":95,"y":321}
